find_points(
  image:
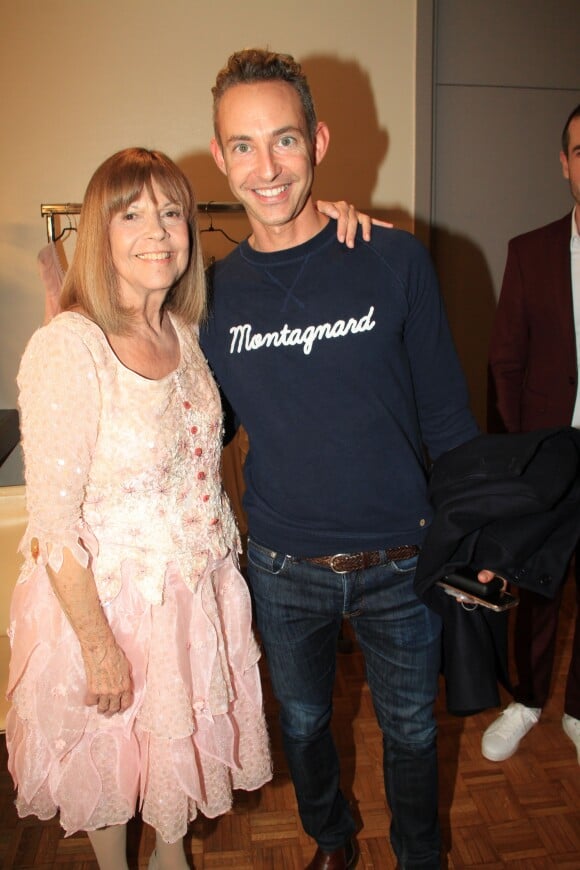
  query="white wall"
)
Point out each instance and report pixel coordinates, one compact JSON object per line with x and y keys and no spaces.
{"x":83,"y":78}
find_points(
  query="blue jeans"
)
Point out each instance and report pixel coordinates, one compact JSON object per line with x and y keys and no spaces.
{"x":299,"y":609}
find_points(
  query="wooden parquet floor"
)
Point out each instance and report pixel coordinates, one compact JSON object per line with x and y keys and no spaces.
{"x":523,"y":814}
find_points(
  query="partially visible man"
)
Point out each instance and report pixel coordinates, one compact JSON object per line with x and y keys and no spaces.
{"x":340,"y":365}
{"x":534,"y":353}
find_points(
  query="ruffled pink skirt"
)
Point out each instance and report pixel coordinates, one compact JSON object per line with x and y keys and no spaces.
{"x":195,"y":731}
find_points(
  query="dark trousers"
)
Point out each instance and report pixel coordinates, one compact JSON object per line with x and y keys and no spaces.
{"x":299,"y":611}
{"x":535,"y":645}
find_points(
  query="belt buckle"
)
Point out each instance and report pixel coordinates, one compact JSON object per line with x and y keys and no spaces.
{"x":338,"y":556}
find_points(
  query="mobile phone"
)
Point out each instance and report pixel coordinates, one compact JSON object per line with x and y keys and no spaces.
{"x":466,"y":588}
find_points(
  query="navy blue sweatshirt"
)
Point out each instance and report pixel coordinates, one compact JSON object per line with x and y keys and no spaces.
{"x":340,"y":365}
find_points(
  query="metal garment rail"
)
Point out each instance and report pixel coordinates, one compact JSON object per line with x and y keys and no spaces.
{"x":71,"y":208}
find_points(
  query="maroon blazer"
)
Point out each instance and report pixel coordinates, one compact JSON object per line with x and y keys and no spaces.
{"x":533,"y":350}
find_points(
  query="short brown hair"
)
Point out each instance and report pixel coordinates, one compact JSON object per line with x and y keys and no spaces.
{"x":257,"y":65}
{"x":575,"y":113}
{"x":91,"y":281}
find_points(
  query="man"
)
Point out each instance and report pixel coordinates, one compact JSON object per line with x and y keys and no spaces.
{"x":340,"y":365}
{"x":534,"y":352}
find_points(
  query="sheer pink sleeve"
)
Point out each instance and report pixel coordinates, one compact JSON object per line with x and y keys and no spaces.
{"x":59,"y":407}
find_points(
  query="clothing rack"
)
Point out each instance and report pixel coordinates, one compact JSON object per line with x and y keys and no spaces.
{"x":71,"y":208}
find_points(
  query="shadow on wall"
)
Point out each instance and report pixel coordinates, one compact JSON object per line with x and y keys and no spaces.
{"x":344,"y":100}
{"x":467,"y":289}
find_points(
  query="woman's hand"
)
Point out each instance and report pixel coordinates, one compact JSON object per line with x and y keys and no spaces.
{"x":348,"y":219}
{"x":109,"y":683}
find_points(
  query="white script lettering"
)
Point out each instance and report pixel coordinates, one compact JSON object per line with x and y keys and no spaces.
{"x":244,"y":339}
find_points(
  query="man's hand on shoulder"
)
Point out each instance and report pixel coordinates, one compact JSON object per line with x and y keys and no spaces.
{"x":348,"y":219}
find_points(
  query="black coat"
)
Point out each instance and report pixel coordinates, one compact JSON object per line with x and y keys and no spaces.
{"x":510,"y":503}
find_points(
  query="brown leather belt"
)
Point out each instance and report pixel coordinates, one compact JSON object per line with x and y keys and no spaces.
{"x":344,"y":563}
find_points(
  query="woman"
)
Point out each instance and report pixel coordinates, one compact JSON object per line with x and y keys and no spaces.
{"x":134,"y":676}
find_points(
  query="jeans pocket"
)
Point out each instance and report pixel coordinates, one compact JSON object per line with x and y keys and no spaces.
{"x":265,"y":560}
{"x":404,"y":566}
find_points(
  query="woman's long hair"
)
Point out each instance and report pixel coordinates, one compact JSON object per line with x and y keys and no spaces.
{"x":91,"y":282}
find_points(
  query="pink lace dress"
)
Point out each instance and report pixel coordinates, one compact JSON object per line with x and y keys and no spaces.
{"x":130,"y":467}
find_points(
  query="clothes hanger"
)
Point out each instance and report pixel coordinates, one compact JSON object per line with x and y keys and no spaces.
{"x":212,"y":229}
{"x":64,"y":233}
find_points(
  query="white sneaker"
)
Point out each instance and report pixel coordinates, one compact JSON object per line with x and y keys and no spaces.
{"x":503,"y":736}
{"x":571,"y":727}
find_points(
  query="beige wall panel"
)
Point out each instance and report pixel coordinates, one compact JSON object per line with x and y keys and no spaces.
{"x":515,"y":43}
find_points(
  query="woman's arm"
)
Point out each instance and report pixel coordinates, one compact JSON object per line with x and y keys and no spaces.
{"x":60,"y":409}
{"x":109,"y":683}
{"x":348,"y":219}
